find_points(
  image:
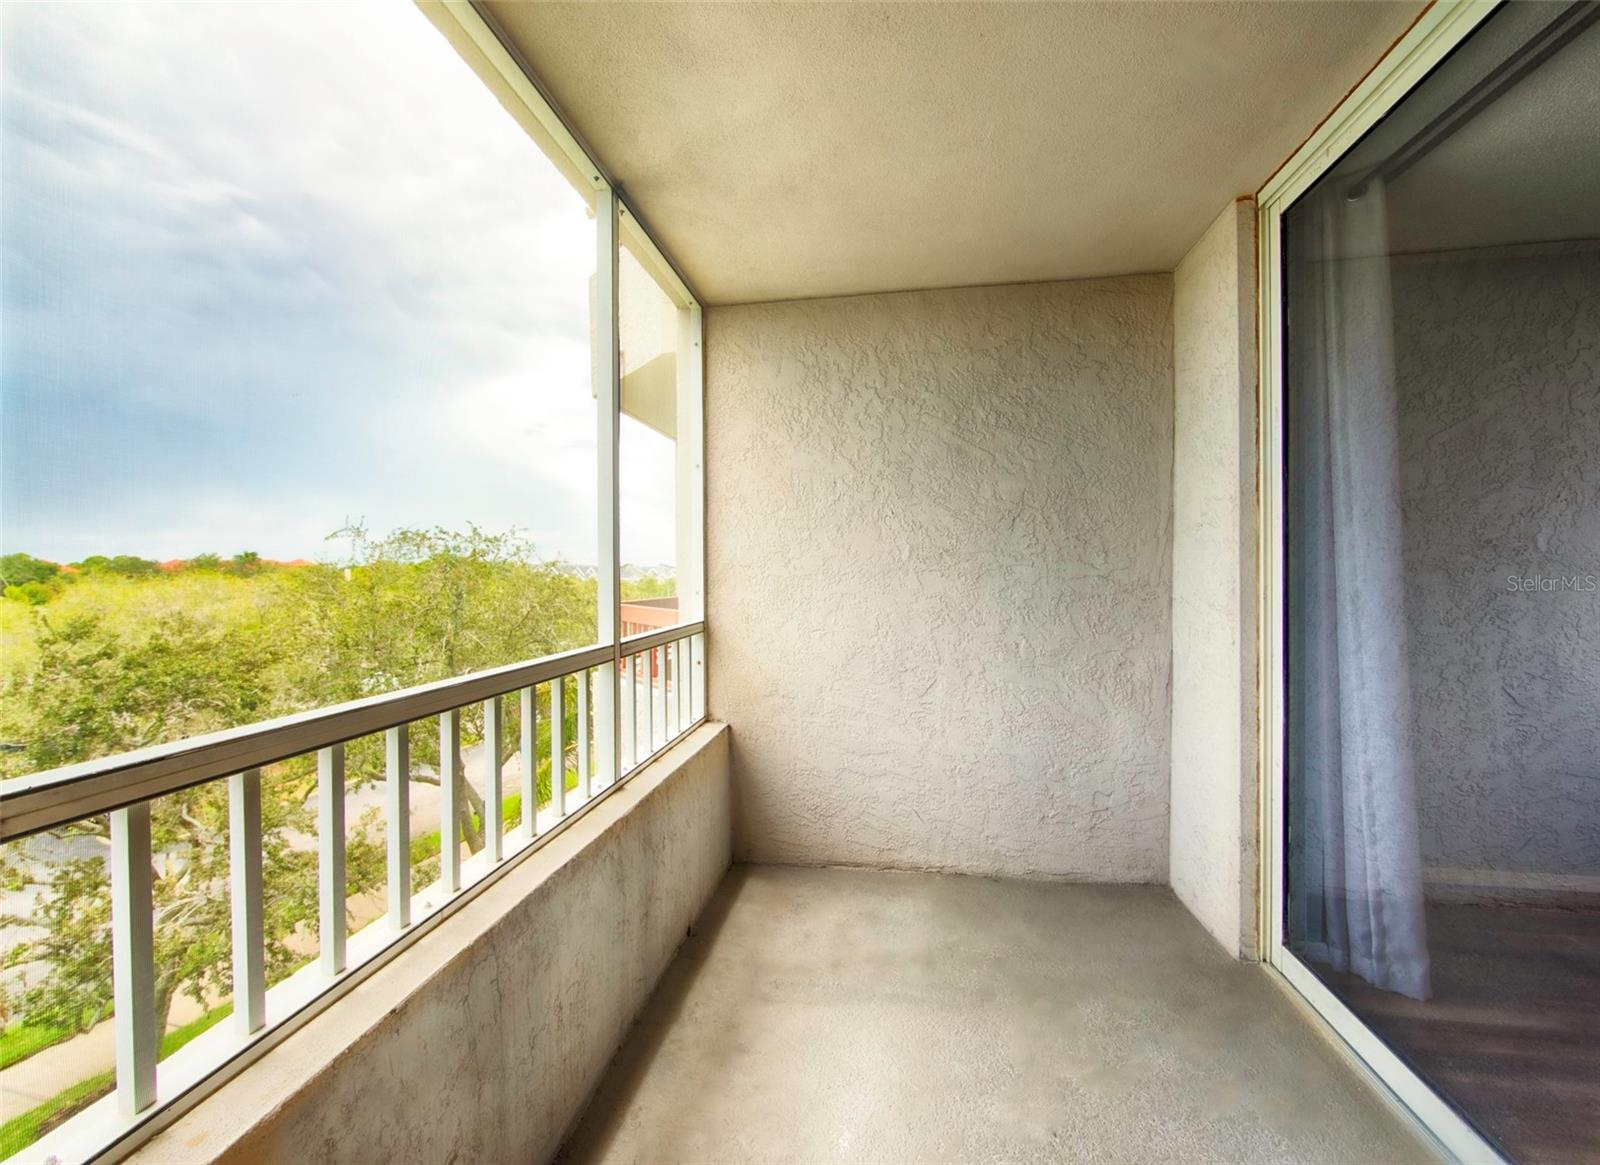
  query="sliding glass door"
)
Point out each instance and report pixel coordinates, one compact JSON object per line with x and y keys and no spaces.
{"x":1436,"y":388}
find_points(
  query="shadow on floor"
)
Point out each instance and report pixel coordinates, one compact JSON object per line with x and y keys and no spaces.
{"x":629,"y":1067}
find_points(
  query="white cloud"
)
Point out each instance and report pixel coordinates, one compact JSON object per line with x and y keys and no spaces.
{"x":271,"y":266}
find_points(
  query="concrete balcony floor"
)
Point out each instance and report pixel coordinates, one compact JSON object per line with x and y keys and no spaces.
{"x":844,"y":1015}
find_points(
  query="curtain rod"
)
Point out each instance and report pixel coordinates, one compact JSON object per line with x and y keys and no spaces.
{"x":1571,"y":23}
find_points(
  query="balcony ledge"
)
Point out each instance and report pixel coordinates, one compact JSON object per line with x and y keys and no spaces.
{"x":485,"y":1038}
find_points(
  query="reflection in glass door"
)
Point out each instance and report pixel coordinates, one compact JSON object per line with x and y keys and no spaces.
{"x":1441,"y":580}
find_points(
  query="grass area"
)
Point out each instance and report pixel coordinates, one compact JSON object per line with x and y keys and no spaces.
{"x":21,"y":1040}
{"x":24,"y":1129}
{"x":179,"y":1036}
{"x":21,"y":1131}
{"x":426,"y":845}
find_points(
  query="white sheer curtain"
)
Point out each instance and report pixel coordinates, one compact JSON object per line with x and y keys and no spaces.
{"x":1355,"y":873}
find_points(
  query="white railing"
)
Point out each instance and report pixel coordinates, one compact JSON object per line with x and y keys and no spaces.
{"x":660,"y":678}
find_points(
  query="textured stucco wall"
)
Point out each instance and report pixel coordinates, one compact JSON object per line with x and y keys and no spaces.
{"x":939,"y":561}
{"x":484,"y":1040}
{"x":1498,"y":355}
{"x":1213,"y":791}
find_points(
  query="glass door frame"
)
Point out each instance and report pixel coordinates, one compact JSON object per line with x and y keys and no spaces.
{"x":1436,"y":32}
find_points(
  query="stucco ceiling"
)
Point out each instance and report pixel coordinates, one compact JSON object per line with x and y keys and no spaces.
{"x":785,"y":150}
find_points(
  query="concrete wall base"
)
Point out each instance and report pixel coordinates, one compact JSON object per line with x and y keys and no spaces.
{"x":484,"y":1040}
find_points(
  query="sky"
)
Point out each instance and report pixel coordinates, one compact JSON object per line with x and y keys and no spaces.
{"x":270,"y":269}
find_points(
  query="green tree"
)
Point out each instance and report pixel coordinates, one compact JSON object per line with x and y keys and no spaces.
{"x":650,"y":586}
{"x":424,"y":605}
{"x":30,"y":580}
{"x":428,"y":604}
{"x":92,"y":693}
{"x":149,"y":657}
{"x":20,"y":569}
{"x":126,"y":565}
{"x":76,"y":918}
{"x":131,"y":566}
{"x":35,"y":594}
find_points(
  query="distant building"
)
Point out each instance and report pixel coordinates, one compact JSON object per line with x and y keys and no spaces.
{"x":643,"y":615}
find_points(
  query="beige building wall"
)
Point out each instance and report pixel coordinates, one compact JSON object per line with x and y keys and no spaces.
{"x":1497,"y":355}
{"x":938,"y":567}
{"x":1213,"y":790}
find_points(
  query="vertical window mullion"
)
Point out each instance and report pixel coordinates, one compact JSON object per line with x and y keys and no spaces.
{"x":608,"y":419}
{"x":690,"y":500}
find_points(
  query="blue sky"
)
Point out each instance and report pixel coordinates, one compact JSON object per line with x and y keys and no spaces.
{"x":269,"y":268}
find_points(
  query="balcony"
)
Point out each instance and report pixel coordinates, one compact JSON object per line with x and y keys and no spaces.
{"x":934,"y":797}
{"x":649,"y":690}
{"x":787,"y":1013}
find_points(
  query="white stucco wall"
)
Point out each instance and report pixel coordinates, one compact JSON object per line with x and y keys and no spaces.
{"x":1498,"y":356}
{"x":483,"y":1041}
{"x":1213,"y":789}
{"x":938,"y":552}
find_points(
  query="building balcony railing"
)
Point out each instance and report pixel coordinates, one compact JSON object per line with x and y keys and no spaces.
{"x":659,"y":696}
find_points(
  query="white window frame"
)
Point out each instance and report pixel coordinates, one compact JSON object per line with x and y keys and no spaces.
{"x":1434,"y":35}
{"x":145,"y":1111}
{"x":618,"y":224}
